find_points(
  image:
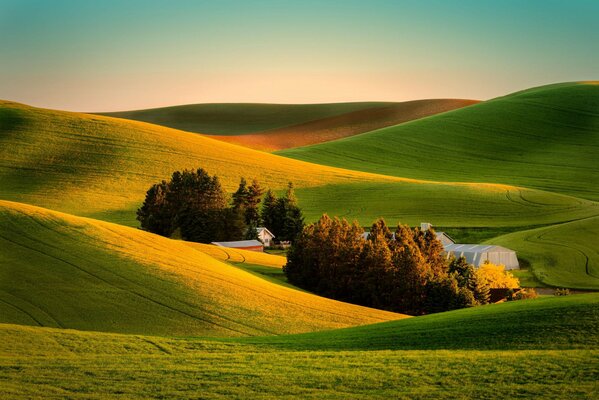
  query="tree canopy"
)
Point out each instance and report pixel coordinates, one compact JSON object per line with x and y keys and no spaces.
{"x":404,"y":270}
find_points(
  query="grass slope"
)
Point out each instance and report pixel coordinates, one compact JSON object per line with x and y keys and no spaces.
{"x":100,"y":167}
{"x":339,"y":364}
{"x":58,"y":270}
{"x":545,"y":323}
{"x":545,"y":138}
{"x":240,"y":118}
{"x":344,"y":125}
{"x":239,"y":256}
{"x":564,"y":255}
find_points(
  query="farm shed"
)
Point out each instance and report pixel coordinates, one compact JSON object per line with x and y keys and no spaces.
{"x":477,"y":254}
{"x":265,"y":236}
{"x":253,"y":245}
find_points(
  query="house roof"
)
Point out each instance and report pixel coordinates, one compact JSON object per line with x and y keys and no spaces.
{"x":239,"y":243}
{"x":477,"y":248}
{"x":261,"y":228}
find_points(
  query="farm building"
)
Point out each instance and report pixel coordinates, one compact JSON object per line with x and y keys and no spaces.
{"x":477,"y":254}
{"x":444,"y":238}
{"x":253,"y":245}
{"x":265,"y":236}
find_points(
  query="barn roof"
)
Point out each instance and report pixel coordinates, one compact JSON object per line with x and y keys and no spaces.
{"x":477,"y":248}
{"x":239,"y":243}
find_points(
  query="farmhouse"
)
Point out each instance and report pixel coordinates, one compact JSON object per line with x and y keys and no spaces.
{"x":265,"y":236}
{"x":253,"y":245}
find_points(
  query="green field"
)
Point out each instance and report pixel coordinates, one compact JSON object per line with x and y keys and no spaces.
{"x":545,"y":138}
{"x":101,"y":167}
{"x":564,"y":255}
{"x":460,"y":354}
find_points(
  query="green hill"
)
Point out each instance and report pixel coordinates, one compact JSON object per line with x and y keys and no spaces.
{"x":101,"y":167}
{"x":279,"y":126}
{"x":545,"y":138}
{"x":57,"y":270}
{"x":240,"y":118}
{"x":563,"y":255}
{"x":544,"y":323}
{"x":542,"y":348}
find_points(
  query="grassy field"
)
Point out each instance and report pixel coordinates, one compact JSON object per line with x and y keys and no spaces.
{"x":416,"y":358}
{"x":241,"y":118}
{"x":62,"y":271}
{"x":100,"y":167}
{"x":545,"y":138}
{"x":344,"y":125}
{"x":555,"y":261}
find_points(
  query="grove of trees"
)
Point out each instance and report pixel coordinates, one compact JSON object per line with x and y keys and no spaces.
{"x":403,"y":271}
{"x":195,"y":205}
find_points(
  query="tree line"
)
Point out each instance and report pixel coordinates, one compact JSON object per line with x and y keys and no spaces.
{"x":194,"y":205}
{"x":403,"y":271}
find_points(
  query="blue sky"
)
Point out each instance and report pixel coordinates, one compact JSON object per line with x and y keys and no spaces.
{"x":111,"y":55}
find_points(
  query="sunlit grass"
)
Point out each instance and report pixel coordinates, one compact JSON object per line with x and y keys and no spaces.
{"x":63,"y":271}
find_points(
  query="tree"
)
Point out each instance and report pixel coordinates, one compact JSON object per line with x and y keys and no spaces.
{"x":496,"y":277}
{"x":282,"y":216}
{"x":404,"y":272}
{"x":466,"y":276}
{"x":268,"y":214}
{"x":155,"y":214}
{"x":253,"y":199}
{"x":240,"y":197}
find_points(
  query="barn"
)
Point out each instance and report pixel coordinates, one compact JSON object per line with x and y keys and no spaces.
{"x":253,"y":245}
{"x":477,"y":254}
{"x":265,"y":236}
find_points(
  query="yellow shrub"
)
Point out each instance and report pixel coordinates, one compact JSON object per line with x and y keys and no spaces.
{"x":497,"y":277}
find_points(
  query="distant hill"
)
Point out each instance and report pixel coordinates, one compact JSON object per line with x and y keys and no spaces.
{"x":344,"y":125}
{"x":58,"y":270}
{"x":240,"y":118}
{"x":545,"y":138}
{"x":101,"y":167}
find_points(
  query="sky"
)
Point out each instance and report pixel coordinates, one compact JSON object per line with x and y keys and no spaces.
{"x":120,"y":55}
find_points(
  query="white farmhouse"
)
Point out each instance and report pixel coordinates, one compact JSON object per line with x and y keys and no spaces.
{"x":265,"y":236}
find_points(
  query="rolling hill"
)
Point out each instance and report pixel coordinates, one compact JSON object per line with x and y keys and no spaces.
{"x":344,"y":125}
{"x":58,"y":270}
{"x":101,"y":167}
{"x":562,"y":255}
{"x":240,"y":118}
{"x":539,"y":348}
{"x":545,"y":138}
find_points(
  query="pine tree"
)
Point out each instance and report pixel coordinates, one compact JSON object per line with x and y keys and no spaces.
{"x":268,"y":214}
{"x":240,"y":197}
{"x":156,"y":214}
{"x":253,"y":199}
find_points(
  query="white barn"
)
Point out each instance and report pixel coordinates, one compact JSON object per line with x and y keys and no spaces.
{"x":477,"y":254}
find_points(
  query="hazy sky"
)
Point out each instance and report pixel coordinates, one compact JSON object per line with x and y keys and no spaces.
{"x":115,"y":55}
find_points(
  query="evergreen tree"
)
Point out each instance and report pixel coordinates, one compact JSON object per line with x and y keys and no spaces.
{"x":240,"y":197}
{"x":156,"y":214}
{"x":268,"y":214}
{"x":252,"y":205}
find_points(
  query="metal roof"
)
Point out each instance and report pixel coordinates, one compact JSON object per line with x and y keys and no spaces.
{"x":477,"y":248}
{"x":239,"y":243}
